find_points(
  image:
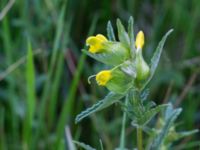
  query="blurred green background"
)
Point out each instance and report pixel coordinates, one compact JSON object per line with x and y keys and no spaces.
{"x":43,"y":74}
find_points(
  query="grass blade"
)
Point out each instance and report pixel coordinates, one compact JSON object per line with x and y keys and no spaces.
{"x":47,"y":86}
{"x":57,"y":77}
{"x":69,"y":102}
{"x":30,"y":100}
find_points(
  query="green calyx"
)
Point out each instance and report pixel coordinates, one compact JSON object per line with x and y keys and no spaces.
{"x":120,"y":82}
{"x":116,"y":53}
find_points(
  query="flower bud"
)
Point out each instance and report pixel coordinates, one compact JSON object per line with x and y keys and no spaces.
{"x":142,"y":69}
{"x":139,"y":43}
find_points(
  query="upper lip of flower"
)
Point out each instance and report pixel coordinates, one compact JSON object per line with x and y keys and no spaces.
{"x":95,"y":43}
{"x":103,"y":77}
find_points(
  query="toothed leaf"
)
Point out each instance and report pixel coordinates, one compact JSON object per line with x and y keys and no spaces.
{"x":171,"y":117}
{"x":107,"y":101}
{"x":149,"y":114}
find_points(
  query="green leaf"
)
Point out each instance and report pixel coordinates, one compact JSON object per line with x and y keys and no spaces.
{"x":30,"y":79}
{"x":84,"y":146}
{"x":149,"y":104}
{"x":149,"y":114}
{"x":110,"y":32}
{"x":107,"y":101}
{"x":50,"y":74}
{"x":144,"y":94}
{"x":171,"y":117}
{"x":122,"y":34}
{"x":156,"y":57}
{"x":186,"y":133}
{"x":188,"y":145}
{"x":30,"y":96}
{"x":131,"y":35}
{"x":101,"y":144}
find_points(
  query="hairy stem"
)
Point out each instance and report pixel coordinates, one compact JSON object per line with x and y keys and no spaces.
{"x":122,"y":137}
{"x":139,"y":138}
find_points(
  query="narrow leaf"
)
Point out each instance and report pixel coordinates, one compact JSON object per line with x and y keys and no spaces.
{"x":157,"y":142}
{"x":107,"y":101}
{"x":101,"y":144}
{"x":187,"y":133}
{"x":30,"y":79}
{"x":122,"y":34}
{"x":156,"y":57}
{"x":144,"y":94}
{"x":131,"y":34}
{"x":84,"y":146}
{"x":188,"y":145}
{"x":148,"y":115}
{"x":110,"y":32}
{"x":30,"y":103}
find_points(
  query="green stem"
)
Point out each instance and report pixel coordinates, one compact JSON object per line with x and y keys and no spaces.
{"x":139,"y":138}
{"x":122,"y":137}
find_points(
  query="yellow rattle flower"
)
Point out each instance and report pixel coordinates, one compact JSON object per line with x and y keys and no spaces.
{"x":95,"y":43}
{"x":139,"y":42}
{"x":103,"y":77}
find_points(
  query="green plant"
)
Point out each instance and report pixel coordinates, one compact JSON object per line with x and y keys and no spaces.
{"x":127,"y":82}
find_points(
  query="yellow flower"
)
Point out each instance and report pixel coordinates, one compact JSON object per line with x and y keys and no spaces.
{"x":139,"y":42}
{"x":95,"y":43}
{"x":103,"y":77}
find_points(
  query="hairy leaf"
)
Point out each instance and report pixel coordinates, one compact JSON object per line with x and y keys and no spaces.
{"x":110,"y":32}
{"x":131,"y":35}
{"x":149,"y":104}
{"x":171,"y":117}
{"x":144,"y":94}
{"x":149,"y":114}
{"x":122,"y":34}
{"x":107,"y":101}
{"x":187,"y":133}
{"x":84,"y":146}
{"x":156,"y":57}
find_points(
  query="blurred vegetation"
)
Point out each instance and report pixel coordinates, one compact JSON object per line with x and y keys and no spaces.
{"x":43,"y":74}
